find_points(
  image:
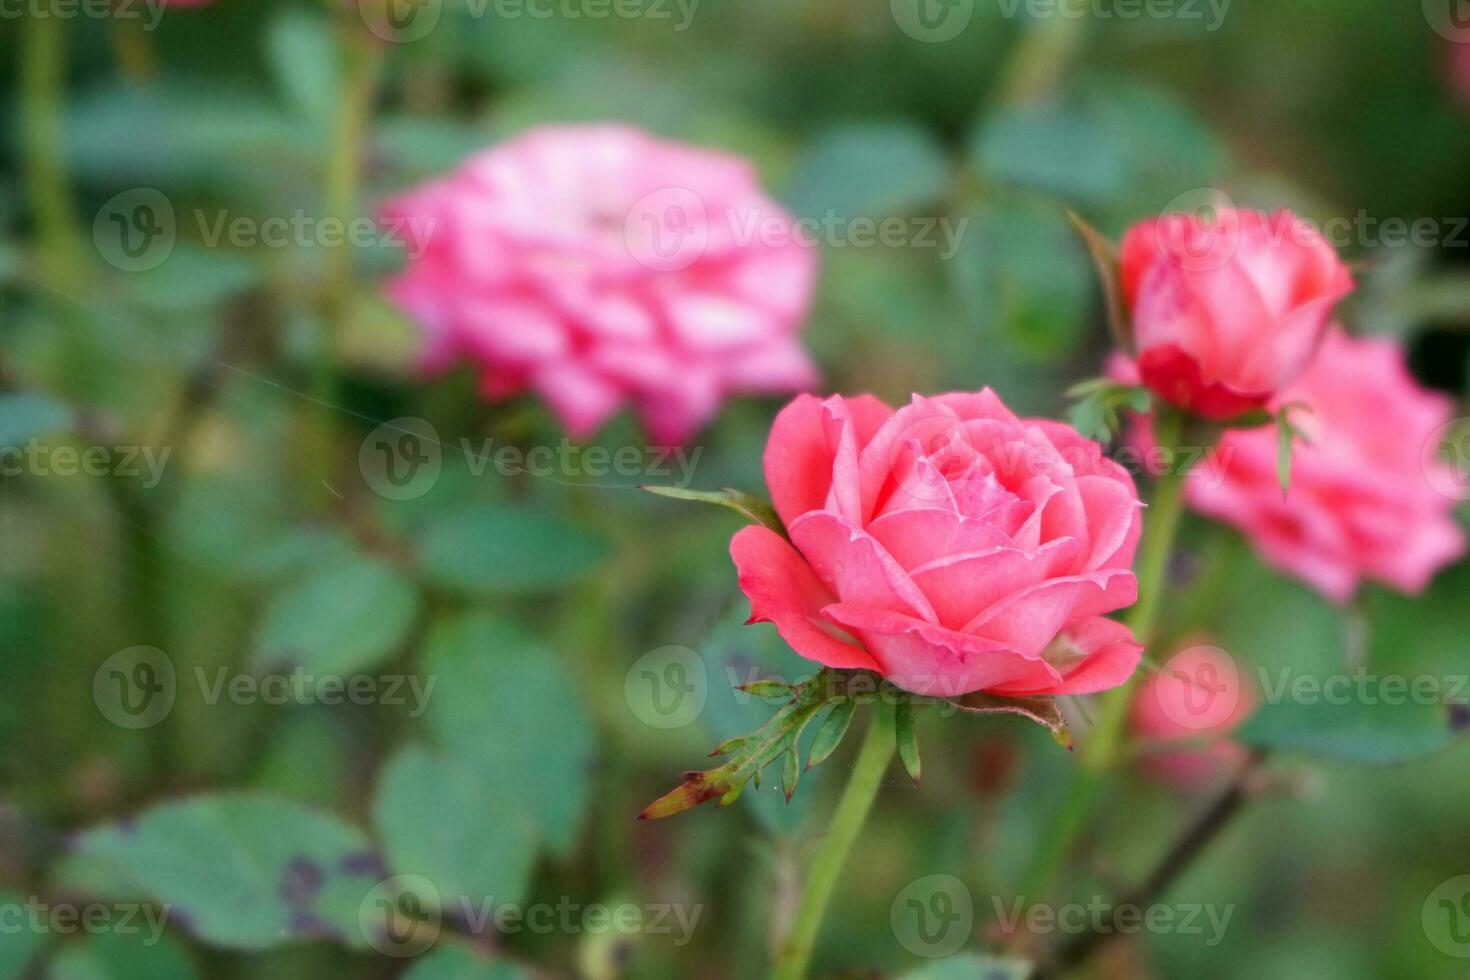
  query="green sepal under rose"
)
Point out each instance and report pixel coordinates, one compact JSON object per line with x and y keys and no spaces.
{"x":1099,"y":400}
{"x":752,"y":508}
{"x":839,"y":693}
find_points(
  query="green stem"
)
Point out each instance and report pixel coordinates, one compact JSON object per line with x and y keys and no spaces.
{"x":1039,"y":60}
{"x":42,"y":81}
{"x":847,"y":822}
{"x":1099,"y":752}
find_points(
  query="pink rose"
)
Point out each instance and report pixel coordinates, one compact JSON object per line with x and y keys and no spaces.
{"x":1225,"y":313}
{"x":598,"y":265}
{"x":1184,"y":713}
{"x":1368,"y":498}
{"x":949,"y":546}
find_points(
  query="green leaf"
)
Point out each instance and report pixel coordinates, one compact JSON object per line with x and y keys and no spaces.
{"x":26,"y":416}
{"x":460,"y":824}
{"x":121,"y":956}
{"x":871,"y":170}
{"x":769,"y":689}
{"x":244,"y":871}
{"x":753,"y":509}
{"x":1355,"y":730}
{"x":506,"y":705}
{"x":791,"y":769}
{"x":344,"y":618}
{"x":1042,"y":711}
{"x":830,"y":735}
{"x":1053,"y":148}
{"x":19,"y":948}
{"x":504,"y":549}
{"x":907,"y":737}
{"x":305,"y":59}
{"x":458,"y":963}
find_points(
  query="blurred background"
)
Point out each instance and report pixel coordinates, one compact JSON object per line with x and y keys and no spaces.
{"x":256,"y":667}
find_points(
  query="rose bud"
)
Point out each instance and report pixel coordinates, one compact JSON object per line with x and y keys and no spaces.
{"x":1225,"y":312}
{"x":950,"y":546}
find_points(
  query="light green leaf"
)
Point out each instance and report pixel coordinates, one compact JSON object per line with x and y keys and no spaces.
{"x":460,"y":824}
{"x":243,"y":871}
{"x":753,"y":509}
{"x":505,"y":549}
{"x":344,"y":618}
{"x":121,"y":956}
{"x":831,"y":732}
{"x":907,"y":737}
{"x":506,"y":705}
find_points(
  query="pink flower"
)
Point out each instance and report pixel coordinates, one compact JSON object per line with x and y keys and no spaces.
{"x":1184,"y":713}
{"x":598,"y":265}
{"x":950,"y":546}
{"x":1227,"y":312}
{"x":1368,"y":497}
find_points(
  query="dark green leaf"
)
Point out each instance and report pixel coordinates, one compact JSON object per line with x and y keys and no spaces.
{"x":830,"y":735}
{"x":869,"y":170}
{"x":121,"y":956}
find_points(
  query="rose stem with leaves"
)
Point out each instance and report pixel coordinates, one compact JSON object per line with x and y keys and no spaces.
{"x":847,"y":822}
{"x":1099,"y":751}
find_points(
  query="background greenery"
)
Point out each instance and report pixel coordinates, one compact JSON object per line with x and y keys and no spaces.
{"x":529,"y":599}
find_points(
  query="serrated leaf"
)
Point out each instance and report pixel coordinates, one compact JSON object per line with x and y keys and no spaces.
{"x":1042,"y":711}
{"x":753,"y":509}
{"x":907,"y":737}
{"x":1105,"y":258}
{"x":830,"y":735}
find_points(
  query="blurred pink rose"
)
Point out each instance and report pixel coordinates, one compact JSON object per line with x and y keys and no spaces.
{"x":597,"y":265}
{"x":1368,"y":497}
{"x":1184,"y":713}
{"x":1226,"y":312}
{"x":950,"y":546}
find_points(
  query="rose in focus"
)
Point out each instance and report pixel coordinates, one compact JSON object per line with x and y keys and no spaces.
{"x":598,"y":266}
{"x":950,"y":546}
{"x":1227,"y":311}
